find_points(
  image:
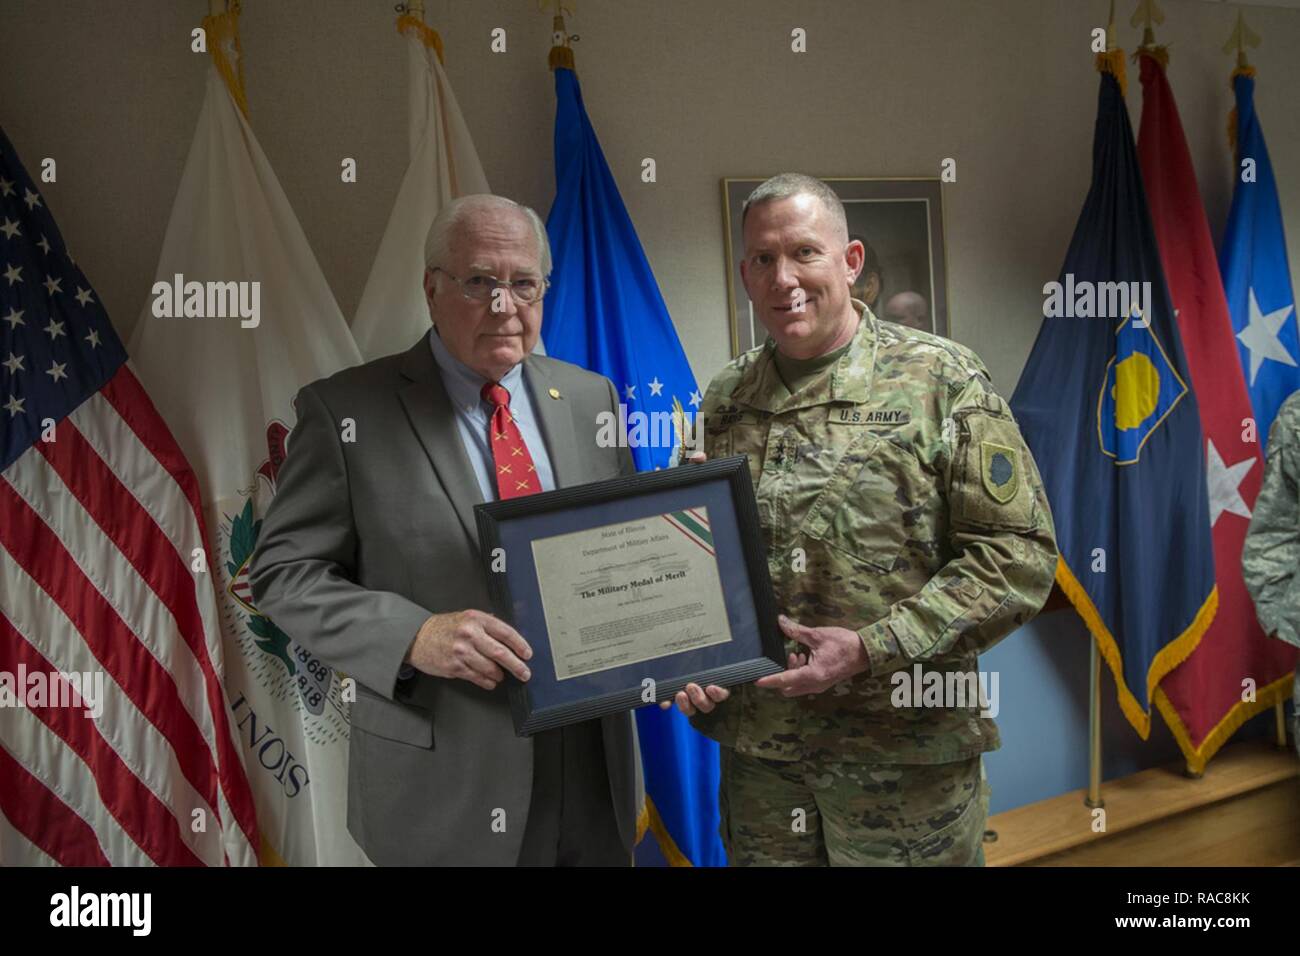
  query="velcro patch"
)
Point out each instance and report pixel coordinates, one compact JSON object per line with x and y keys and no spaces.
{"x":999,"y":471}
{"x":728,"y":418}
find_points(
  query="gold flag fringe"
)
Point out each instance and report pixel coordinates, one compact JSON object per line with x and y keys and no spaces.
{"x":1198,"y":757}
{"x":1169,"y":657}
{"x":1112,"y":62}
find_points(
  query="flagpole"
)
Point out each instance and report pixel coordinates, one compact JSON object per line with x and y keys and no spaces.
{"x":1112,"y":60}
{"x":1242,"y":37}
{"x":1094,"y":799}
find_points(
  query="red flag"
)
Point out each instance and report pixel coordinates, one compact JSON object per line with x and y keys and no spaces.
{"x":1201,"y":699}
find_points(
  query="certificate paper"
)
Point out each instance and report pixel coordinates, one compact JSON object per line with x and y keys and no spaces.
{"x":624,"y":593}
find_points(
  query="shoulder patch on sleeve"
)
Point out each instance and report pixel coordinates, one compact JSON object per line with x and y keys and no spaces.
{"x":990,"y":488}
{"x":999,"y":470}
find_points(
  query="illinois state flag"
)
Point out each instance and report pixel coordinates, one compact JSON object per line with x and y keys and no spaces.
{"x":605,"y":313}
{"x":226,"y":385}
{"x":443,"y":164}
{"x":1201,"y":699}
{"x":1256,"y":277}
{"x":1106,"y":405}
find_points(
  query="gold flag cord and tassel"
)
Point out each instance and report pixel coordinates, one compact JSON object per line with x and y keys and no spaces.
{"x":1242,"y":37}
{"x":411,"y":23}
{"x":222,"y":31}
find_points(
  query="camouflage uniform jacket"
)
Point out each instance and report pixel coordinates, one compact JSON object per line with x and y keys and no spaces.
{"x":1270,"y":557}
{"x":898,"y":499}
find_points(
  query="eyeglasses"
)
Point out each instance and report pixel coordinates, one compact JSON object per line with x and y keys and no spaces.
{"x":481,"y":287}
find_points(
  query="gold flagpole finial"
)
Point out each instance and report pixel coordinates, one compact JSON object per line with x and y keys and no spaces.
{"x":1147,"y":13}
{"x":561,"y":56}
{"x":1242,"y":37}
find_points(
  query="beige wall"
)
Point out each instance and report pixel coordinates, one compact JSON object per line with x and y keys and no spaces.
{"x":709,"y":89}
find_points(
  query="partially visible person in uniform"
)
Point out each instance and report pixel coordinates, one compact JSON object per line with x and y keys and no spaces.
{"x":1270,"y":558}
{"x":871,"y":278}
{"x":907,"y":531}
{"x":910,"y":309}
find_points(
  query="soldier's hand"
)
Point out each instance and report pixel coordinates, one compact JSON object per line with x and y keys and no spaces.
{"x":470,"y":645}
{"x":834,"y":654}
{"x":694,"y":698}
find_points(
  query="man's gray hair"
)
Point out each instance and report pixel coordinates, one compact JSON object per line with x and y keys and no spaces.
{"x":452,"y":216}
{"x":786,"y":185}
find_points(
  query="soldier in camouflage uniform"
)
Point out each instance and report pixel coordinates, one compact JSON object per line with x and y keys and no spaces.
{"x":906,"y":524}
{"x":1270,"y":557}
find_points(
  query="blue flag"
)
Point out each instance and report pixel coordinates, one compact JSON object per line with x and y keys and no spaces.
{"x":1256,"y":278}
{"x":604,"y":312}
{"x":1105,"y":403}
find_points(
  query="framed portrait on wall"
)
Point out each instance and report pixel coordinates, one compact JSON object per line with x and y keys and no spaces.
{"x":904,"y":276}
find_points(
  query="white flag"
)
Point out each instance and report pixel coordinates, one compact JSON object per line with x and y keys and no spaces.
{"x":241,"y":317}
{"x":443,"y":165}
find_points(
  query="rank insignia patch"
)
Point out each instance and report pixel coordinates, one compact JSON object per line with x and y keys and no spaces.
{"x":998,"y":469}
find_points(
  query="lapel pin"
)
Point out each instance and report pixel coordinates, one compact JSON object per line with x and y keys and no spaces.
{"x":555,"y":393}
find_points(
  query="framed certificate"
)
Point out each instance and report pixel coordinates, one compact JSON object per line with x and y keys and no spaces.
{"x":629,"y":589}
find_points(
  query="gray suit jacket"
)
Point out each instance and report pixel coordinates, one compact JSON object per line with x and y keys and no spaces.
{"x":363,"y":541}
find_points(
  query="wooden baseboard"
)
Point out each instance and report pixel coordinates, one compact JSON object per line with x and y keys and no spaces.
{"x":1245,"y":811}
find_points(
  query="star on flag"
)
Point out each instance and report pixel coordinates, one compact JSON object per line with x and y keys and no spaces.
{"x":1224,"y":483}
{"x":1260,"y":336}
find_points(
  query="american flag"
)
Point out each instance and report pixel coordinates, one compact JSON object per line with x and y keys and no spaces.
{"x":100,"y":525}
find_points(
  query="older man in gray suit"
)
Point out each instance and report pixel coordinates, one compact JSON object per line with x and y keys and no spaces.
{"x":368,"y":557}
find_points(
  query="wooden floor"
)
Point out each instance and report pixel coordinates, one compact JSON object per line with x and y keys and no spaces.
{"x":1245,"y":811}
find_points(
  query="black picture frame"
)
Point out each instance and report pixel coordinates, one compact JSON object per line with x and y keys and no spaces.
{"x":756,"y":648}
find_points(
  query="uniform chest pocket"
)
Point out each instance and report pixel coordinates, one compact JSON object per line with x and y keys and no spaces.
{"x":863,"y":509}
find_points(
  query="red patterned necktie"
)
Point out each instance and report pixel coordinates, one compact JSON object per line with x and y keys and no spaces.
{"x":515,"y":473}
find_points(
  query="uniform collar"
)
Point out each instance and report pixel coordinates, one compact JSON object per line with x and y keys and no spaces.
{"x":848,"y":380}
